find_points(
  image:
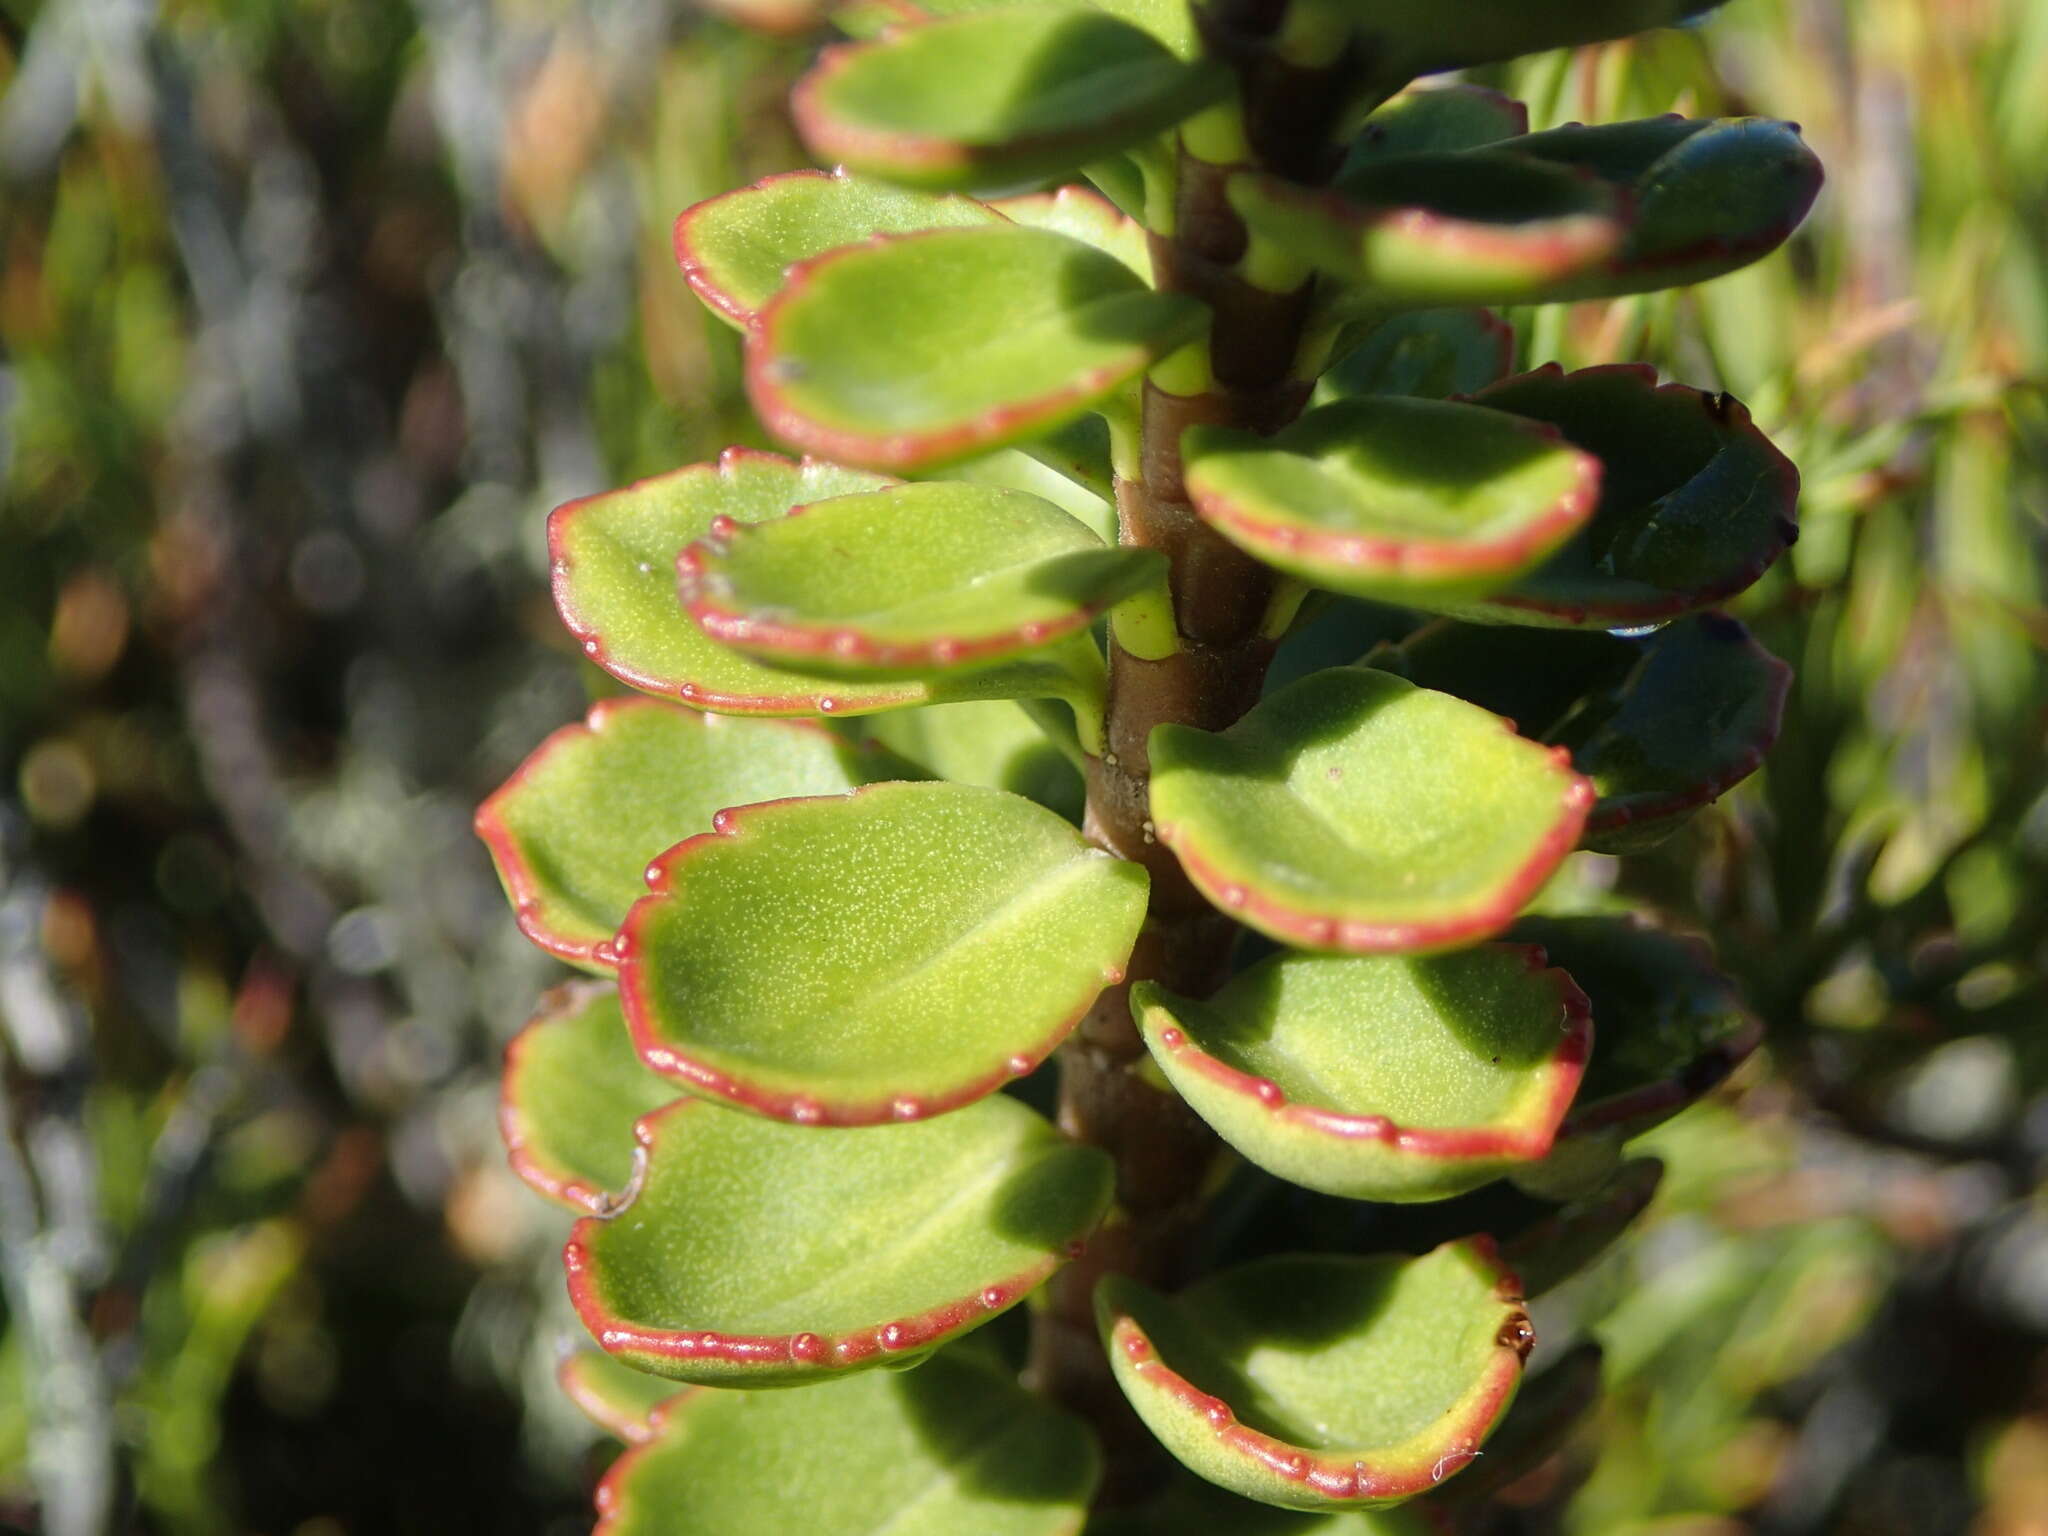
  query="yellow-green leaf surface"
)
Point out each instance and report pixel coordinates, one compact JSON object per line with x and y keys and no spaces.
{"x":996,"y":97}
{"x":1433,"y":353}
{"x":1434,"y":117}
{"x":1192,"y":1507}
{"x":1062,"y":470}
{"x":1695,"y":502}
{"x":616,"y":1398}
{"x":887,"y":954}
{"x":572,"y":1087}
{"x":1436,"y":228}
{"x":1401,"y":500}
{"x":910,"y":581}
{"x":1355,"y":811}
{"x":756,"y":1253}
{"x":1085,"y":214}
{"x":1314,"y":1383}
{"x":614,"y":574}
{"x":573,"y":830}
{"x":1406,"y":38}
{"x":994,"y":742}
{"x":1551,"y":1407}
{"x":953,"y":1448}
{"x":1672,"y":1026}
{"x":1379,"y":1077}
{"x":917,"y":350}
{"x":735,"y":248}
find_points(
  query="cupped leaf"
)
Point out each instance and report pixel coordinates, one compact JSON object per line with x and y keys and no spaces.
{"x":735,"y":248}
{"x":1706,"y":196}
{"x":1396,"y":499}
{"x":1672,"y":1026}
{"x":1578,"y":1232}
{"x":1421,"y":230}
{"x":997,"y":96}
{"x":1355,"y":811}
{"x":1191,"y":1507}
{"x":1084,"y":214}
{"x":910,"y":581}
{"x":1661,"y":724}
{"x":1437,"y":117}
{"x":1406,"y":38}
{"x":1695,"y":502}
{"x":616,"y":1398}
{"x":1379,"y":1077}
{"x":951,"y":1448}
{"x":572,"y":1087}
{"x":1047,"y":471}
{"x":888,"y":954}
{"x":1314,"y":1383}
{"x":917,"y":350}
{"x":1551,"y":1407}
{"x":755,"y":1253}
{"x":614,"y":564}
{"x":573,"y":830}
{"x":993,"y":742}
{"x":1433,"y":353}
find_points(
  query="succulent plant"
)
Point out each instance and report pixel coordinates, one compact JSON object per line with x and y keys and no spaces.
{"x":965,"y":790}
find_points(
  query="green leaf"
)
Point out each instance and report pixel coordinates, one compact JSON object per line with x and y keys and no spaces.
{"x":1406,"y":38}
{"x":1314,"y":1383}
{"x":1580,"y":1231}
{"x":1671,"y":1026}
{"x":573,"y":830}
{"x":1551,"y":1407}
{"x":1695,"y":502}
{"x":1401,"y":500}
{"x":1437,"y":117}
{"x":1084,"y":214}
{"x":614,"y":573}
{"x":930,"y":942}
{"x":735,"y":248}
{"x":1418,"y":231}
{"x":951,"y":1448}
{"x":1707,"y":196}
{"x":615,"y":1397}
{"x":571,"y":1090}
{"x":997,"y":96}
{"x":1433,"y":353}
{"x":1046,"y":470}
{"x":755,"y":1253}
{"x":1356,"y":811}
{"x":1379,"y":1077}
{"x":992,"y":742}
{"x":1662,"y":725}
{"x":921,"y":349}
{"x":1192,"y":1507}
{"x":910,"y":581}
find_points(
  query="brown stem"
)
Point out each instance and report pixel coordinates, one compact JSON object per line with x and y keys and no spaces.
{"x":1221,"y":597}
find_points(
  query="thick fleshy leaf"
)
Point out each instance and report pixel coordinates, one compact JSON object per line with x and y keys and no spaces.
{"x":1048,"y":470}
{"x":993,"y":742}
{"x":1379,"y":1077}
{"x":735,"y":248}
{"x":1707,"y":196}
{"x":1580,"y":1231}
{"x":1406,"y":38}
{"x":1401,"y":500}
{"x":1192,"y":1507}
{"x":1662,"y":724}
{"x":1356,"y":811}
{"x":754,"y":1253}
{"x":884,"y":955}
{"x":1695,"y":502}
{"x":1672,"y":1026}
{"x":614,"y":572}
{"x":1432,"y":353}
{"x":917,"y":350}
{"x":1469,"y":227}
{"x":910,"y":581}
{"x":1549,"y":1409}
{"x":1084,"y":214}
{"x":573,"y":830}
{"x":1435,"y":117}
{"x":1168,"y":20}
{"x":615,"y":1397}
{"x":996,"y":97}
{"x":572,"y":1087}
{"x":1319,"y":1382}
{"x":953,"y":1448}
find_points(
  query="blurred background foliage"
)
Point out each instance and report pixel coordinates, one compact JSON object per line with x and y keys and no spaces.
{"x":309,"y":310}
